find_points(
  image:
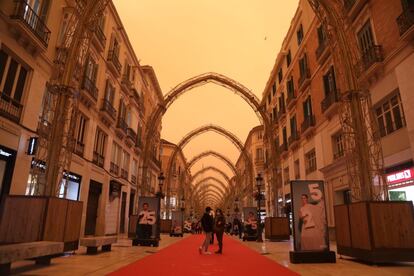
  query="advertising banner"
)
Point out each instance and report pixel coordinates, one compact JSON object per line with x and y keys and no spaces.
{"x":250,"y":220}
{"x":310,"y":227}
{"x":148,"y":214}
{"x":177,"y":222}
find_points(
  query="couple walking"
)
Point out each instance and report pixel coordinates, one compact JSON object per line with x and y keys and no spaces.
{"x":210,"y":226}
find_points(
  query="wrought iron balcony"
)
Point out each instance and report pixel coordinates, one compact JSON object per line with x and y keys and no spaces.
{"x":329,"y":100}
{"x":114,"y":168}
{"x":371,"y":56}
{"x":131,"y":134}
{"x":108,"y":109}
{"x":126,"y":82}
{"x":122,"y":125}
{"x":113,"y":60}
{"x":291,"y":99}
{"x":281,"y":112}
{"x":9,"y":108}
{"x":406,"y":20}
{"x":294,"y":138}
{"x":124,"y":174}
{"x":98,"y":159}
{"x":133,"y":179}
{"x":24,"y":12}
{"x":79,"y":148}
{"x":308,"y":123}
{"x":89,"y":86}
{"x":100,"y":37}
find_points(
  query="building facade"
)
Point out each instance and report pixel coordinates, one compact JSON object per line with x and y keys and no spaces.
{"x":116,"y":98}
{"x":303,"y":92}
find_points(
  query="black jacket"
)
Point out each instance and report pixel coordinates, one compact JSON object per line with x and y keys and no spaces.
{"x":207,"y":223}
{"x":219,"y":223}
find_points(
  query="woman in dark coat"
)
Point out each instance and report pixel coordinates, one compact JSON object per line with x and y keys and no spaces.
{"x":219,"y":224}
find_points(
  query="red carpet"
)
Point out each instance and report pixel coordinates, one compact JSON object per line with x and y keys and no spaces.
{"x":182,"y":258}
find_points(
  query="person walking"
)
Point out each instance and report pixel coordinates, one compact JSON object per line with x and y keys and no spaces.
{"x":219,"y":224}
{"x":207,"y":225}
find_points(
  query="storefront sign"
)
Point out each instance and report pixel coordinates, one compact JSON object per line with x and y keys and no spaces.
{"x":32,"y":148}
{"x":5,"y":153}
{"x":72,"y":177}
{"x":400,"y":176}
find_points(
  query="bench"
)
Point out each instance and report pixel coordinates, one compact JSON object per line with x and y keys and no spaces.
{"x":92,"y":243}
{"x":40,"y":251}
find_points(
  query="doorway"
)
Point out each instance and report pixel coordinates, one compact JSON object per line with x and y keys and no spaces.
{"x":95,"y":190}
{"x":131,"y":202}
{"x":123,"y":209}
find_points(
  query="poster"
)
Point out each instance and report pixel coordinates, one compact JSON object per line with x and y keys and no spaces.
{"x":148,"y":216}
{"x":177,"y":222}
{"x":250,"y":220}
{"x":310,"y":227}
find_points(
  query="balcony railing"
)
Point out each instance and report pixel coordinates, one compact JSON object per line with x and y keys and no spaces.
{"x":259,"y":160}
{"x":281,"y":112}
{"x":10,"y":108}
{"x":133,"y":179}
{"x":114,"y":168}
{"x":290,"y":98}
{"x":124,"y":174}
{"x":304,"y":76}
{"x":406,"y":20}
{"x":79,"y":148}
{"x":371,"y":56}
{"x":100,"y":35}
{"x":26,"y":14}
{"x":283,"y":147}
{"x":108,"y":108}
{"x":308,"y":122}
{"x":98,"y":159}
{"x":122,"y":125}
{"x":113,"y":58}
{"x":321,"y":48}
{"x":293,"y":138}
{"x":89,"y":86}
{"x":126,"y":81}
{"x":338,"y":154}
{"x":131,"y":134}
{"x":330,"y":99}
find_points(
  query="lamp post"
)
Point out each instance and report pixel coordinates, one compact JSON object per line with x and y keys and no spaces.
{"x":259,"y":182}
{"x":160,"y":196}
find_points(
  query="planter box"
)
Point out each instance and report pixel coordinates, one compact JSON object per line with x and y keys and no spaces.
{"x":376,"y":231}
{"x":277,"y":228}
{"x":35,"y":218}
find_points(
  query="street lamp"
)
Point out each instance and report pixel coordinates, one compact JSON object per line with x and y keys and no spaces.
{"x":160,"y":195}
{"x":182,"y":203}
{"x":259,"y":182}
{"x":236,"y":205}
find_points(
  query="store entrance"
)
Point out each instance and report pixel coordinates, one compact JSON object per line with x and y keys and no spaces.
{"x":95,"y":190}
{"x":123,"y":209}
{"x":7,"y":160}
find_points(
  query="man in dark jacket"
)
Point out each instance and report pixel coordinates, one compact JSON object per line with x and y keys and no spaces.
{"x":207,"y":224}
{"x":219,"y":223}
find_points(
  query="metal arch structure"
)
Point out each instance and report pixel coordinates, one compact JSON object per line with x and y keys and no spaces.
{"x":211,"y":168}
{"x":210,"y":193}
{"x":220,"y":156}
{"x":196,"y":132}
{"x":205,"y":190}
{"x":365,"y":159}
{"x":223,"y":188}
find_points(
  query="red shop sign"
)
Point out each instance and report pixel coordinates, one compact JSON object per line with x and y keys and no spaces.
{"x":400,"y":176}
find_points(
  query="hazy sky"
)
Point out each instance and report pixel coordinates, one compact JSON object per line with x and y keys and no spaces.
{"x":185,"y":38}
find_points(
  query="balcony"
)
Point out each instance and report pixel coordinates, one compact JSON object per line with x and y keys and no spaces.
{"x":27,"y":25}
{"x":126,"y":84}
{"x":406,"y":23}
{"x":304,"y":80}
{"x":98,"y":159}
{"x":283,"y":148}
{"x":156,"y":162}
{"x":10,"y":109}
{"x":281,"y":114}
{"x":89,"y":94}
{"x":308,"y":125}
{"x":371,"y":56}
{"x":99,"y":39}
{"x":131,"y":137}
{"x":79,"y":148}
{"x":121,"y":128}
{"x":113,"y":168}
{"x":259,"y":161}
{"x":294,"y":140}
{"x":338,"y":154}
{"x":291,"y":100}
{"x":124,"y":174}
{"x":330,"y":103}
{"x":322,"y":52}
{"x":133,"y":179}
{"x":113,"y":63}
{"x":107,"y":112}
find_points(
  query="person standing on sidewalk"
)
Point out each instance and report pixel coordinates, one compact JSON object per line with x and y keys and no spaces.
{"x":219,"y":223}
{"x":207,"y":225}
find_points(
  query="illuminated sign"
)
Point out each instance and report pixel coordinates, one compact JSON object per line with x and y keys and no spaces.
{"x":32,"y":148}
{"x":5,"y":153}
{"x":400,"y":176}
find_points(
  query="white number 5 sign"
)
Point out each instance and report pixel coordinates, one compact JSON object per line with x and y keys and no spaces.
{"x":314,"y":191}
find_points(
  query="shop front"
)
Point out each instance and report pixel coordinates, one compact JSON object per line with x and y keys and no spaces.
{"x":401,"y":185}
{"x":7,"y":161}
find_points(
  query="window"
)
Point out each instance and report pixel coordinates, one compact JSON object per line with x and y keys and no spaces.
{"x":80,"y":134}
{"x":338,"y":145}
{"x":63,"y":30}
{"x":321,"y":35}
{"x":286,"y":176}
{"x":109,"y":92}
{"x":274,"y":114}
{"x":12,"y":78}
{"x":91,"y":69}
{"x":297,"y":169}
{"x":260,"y":135}
{"x":303,"y":67}
{"x":293,"y":126}
{"x":280,"y":75}
{"x":134,"y":168}
{"x":365,"y":38}
{"x":269,"y":98}
{"x":259,"y":154}
{"x":99,"y":147}
{"x":284,"y":132}
{"x":329,"y":83}
{"x":282,"y":102}
{"x":299,"y":34}
{"x":290,"y":88}
{"x":390,"y":115}
{"x":310,"y":161}
{"x":125,"y":164}
{"x":115,"y":47}
{"x":289,"y":58}
{"x":307,"y":107}
{"x":274,"y":88}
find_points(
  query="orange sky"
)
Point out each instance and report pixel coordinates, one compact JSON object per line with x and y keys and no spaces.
{"x":184,"y":38}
